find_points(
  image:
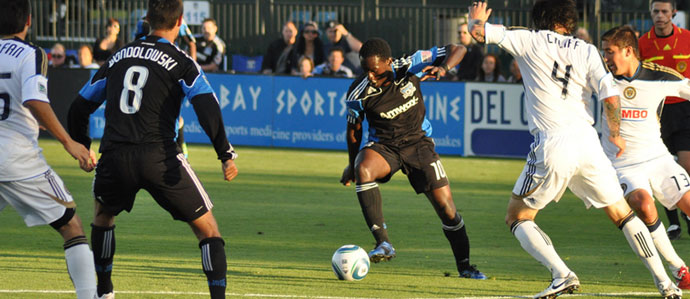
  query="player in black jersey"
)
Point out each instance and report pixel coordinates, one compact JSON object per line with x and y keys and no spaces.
{"x":143,"y":85}
{"x":389,"y":96}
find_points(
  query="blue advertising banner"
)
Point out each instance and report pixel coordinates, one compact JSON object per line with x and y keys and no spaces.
{"x":247,"y":108}
{"x":306,"y":113}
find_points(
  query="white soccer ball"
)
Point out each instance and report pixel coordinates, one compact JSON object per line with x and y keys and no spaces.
{"x":350,"y":262}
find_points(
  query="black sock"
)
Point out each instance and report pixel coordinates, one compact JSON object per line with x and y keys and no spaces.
{"x":459,"y":242}
{"x":370,"y":201}
{"x":672,"y":217}
{"x":103,"y":246}
{"x":215,"y":266}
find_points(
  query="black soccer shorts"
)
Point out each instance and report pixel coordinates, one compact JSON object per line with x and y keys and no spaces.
{"x":675,"y":127}
{"x":160,"y":170}
{"x":419,"y":161}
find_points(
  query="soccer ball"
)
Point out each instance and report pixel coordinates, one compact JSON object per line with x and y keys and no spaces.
{"x":350,"y":262}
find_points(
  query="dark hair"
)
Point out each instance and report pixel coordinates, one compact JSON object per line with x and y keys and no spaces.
{"x":163,"y":14}
{"x":672,"y":2}
{"x":336,"y":49}
{"x":481,"y":76}
{"x":13,"y":16}
{"x":546,"y":14}
{"x":622,"y":37}
{"x":375,"y":47}
{"x":212,"y":20}
{"x":301,"y":45}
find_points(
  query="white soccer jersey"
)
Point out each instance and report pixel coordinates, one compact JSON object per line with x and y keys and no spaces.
{"x":642,"y":98}
{"x":558,"y":73}
{"x":23,"y":68}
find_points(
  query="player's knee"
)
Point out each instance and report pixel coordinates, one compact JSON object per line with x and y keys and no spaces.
{"x":364,"y":173}
{"x":64,"y":220}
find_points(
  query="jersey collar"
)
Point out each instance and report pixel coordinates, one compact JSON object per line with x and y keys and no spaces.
{"x":634,"y":76}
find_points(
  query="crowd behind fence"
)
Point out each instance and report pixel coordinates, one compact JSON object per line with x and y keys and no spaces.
{"x":248,"y":26}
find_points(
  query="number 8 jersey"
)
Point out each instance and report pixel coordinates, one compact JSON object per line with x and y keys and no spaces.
{"x":559,"y":73}
{"x":23,"y":70}
{"x":143,"y":85}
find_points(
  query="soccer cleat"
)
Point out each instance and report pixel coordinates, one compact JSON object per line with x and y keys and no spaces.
{"x":110,"y":295}
{"x":673,"y":231}
{"x":382,"y":252}
{"x":682,"y":278}
{"x":669,"y":290}
{"x":472,"y":272}
{"x":560,"y":286}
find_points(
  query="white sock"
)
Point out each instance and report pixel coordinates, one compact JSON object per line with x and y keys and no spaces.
{"x":640,"y":241}
{"x":663,"y":245}
{"x":81,"y":270}
{"x":539,"y":246}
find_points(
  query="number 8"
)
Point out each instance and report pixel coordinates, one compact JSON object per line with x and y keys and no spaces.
{"x":135,"y":87}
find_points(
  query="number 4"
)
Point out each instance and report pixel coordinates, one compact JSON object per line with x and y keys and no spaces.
{"x":563,"y":80}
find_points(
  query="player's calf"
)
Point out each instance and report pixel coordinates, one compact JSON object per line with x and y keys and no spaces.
{"x":214,"y":263}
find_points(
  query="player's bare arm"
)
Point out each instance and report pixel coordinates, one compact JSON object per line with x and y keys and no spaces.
{"x":612,"y":108}
{"x":478,"y":16}
{"x":353,"y":135}
{"x":457,"y":52}
{"x":46,"y":117}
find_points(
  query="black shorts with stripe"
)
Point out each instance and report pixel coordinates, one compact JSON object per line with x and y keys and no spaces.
{"x":159,"y":169}
{"x":419,"y":161}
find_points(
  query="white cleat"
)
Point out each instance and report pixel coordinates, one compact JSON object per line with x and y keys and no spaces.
{"x":110,"y":295}
{"x":560,"y":286}
{"x":669,"y":290}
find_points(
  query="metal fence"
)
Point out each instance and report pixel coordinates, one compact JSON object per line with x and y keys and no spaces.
{"x":248,"y":26}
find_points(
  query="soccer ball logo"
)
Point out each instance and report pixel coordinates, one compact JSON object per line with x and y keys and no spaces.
{"x":350,"y":262}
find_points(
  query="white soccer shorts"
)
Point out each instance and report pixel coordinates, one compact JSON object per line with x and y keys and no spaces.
{"x":569,"y":157}
{"x":40,"y":200}
{"x":661,"y":177}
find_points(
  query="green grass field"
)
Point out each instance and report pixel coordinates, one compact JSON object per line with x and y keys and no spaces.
{"x":284,"y":216}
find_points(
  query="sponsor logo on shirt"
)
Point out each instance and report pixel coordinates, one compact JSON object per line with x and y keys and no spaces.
{"x":634,"y":114}
{"x":400,"y":109}
{"x":42,"y":88}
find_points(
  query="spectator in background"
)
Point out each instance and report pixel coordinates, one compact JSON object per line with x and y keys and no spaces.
{"x":86,"y":58}
{"x":306,"y":67}
{"x":308,"y":44}
{"x":107,"y":45}
{"x":210,"y":48}
{"x":58,"y":56}
{"x":468,"y":68}
{"x":583,"y":34}
{"x":278,"y":52}
{"x":340,"y":37}
{"x":334,"y":67}
{"x":515,"y":75}
{"x":490,"y":70}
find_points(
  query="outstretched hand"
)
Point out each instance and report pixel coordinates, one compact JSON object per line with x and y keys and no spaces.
{"x":478,"y":11}
{"x":432,"y":71}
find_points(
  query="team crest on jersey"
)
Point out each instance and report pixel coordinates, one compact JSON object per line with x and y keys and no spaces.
{"x":629,"y":92}
{"x":681,"y":66}
{"x":426,"y":56}
{"x":42,"y":88}
{"x":408,"y":90}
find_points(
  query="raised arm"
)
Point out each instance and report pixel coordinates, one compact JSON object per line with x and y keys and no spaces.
{"x":478,"y":16}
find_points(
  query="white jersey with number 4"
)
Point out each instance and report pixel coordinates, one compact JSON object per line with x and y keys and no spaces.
{"x":23,"y":68}
{"x":642,"y":98}
{"x":559,"y":73}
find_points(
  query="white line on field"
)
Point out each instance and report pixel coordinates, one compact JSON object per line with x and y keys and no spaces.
{"x":629,"y":294}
